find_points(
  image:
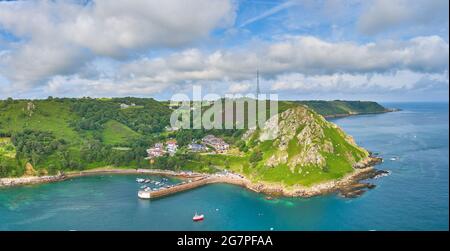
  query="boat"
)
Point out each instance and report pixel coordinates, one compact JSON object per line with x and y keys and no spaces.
{"x":269,"y":198}
{"x":143,"y":187}
{"x":147,"y":181}
{"x":143,"y":194}
{"x":198,"y":217}
{"x":140,"y":180}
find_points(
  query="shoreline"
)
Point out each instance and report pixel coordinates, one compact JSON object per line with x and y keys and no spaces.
{"x":343,"y":115}
{"x":348,"y":186}
{"x":34,"y":180}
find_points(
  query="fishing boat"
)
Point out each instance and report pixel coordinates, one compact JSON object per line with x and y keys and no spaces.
{"x":140,"y":180}
{"x":198,"y":217}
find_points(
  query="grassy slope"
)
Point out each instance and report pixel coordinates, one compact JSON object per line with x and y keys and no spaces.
{"x":338,"y":107}
{"x":47,"y":116}
{"x":115,"y":133}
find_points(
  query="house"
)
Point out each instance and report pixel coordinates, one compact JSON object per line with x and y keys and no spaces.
{"x":217,"y":143}
{"x":194,"y":147}
{"x":125,"y":106}
{"x":174,"y":105}
{"x":171,"y":146}
{"x":156,"y":151}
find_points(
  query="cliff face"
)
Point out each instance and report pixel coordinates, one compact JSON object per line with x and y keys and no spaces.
{"x":303,"y":144}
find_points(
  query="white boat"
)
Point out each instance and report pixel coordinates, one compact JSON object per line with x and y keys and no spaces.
{"x":144,"y":194}
{"x":140,"y":180}
{"x":147,"y":181}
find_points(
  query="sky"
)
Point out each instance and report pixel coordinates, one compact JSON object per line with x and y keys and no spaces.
{"x":380,"y":50}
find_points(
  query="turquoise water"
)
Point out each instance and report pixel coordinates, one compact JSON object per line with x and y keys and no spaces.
{"x":413,"y":197}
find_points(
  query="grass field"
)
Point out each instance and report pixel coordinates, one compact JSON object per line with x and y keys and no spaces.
{"x":115,"y":133}
{"x":46,"y":116}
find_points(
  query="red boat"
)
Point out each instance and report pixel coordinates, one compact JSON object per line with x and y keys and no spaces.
{"x":198,"y":217}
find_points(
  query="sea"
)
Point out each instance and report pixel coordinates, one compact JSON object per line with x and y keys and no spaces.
{"x":413,"y":142}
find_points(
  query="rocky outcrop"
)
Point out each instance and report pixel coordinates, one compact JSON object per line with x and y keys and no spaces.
{"x":299,"y":135}
{"x":29,"y":170}
{"x":351,"y":186}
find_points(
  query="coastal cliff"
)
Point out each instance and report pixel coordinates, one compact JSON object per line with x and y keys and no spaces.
{"x":302,"y":148}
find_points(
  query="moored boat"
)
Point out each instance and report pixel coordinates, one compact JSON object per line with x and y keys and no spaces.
{"x":144,"y":194}
{"x":140,"y":180}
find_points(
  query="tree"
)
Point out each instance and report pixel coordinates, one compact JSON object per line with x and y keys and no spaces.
{"x":255,"y":156}
{"x":184,"y":137}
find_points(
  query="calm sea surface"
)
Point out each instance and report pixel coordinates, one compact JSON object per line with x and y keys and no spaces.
{"x":414,"y":144}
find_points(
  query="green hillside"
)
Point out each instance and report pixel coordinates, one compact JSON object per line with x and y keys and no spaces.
{"x":116,"y":133}
{"x":44,"y":115}
{"x":342,"y":108}
{"x":307,"y":150}
{"x":75,"y":134}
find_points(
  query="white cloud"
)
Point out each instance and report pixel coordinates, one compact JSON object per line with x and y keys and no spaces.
{"x":103,"y":87}
{"x":403,"y":80}
{"x":98,"y":49}
{"x":382,"y":15}
{"x":307,"y":55}
{"x":240,"y":87}
{"x":296,"y":63}
{"x":58,"y":37}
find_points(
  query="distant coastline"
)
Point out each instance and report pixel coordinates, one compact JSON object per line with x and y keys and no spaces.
{"x":343,"y":115}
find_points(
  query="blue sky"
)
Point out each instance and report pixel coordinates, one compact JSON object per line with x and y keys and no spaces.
{"x":383,"y":50}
